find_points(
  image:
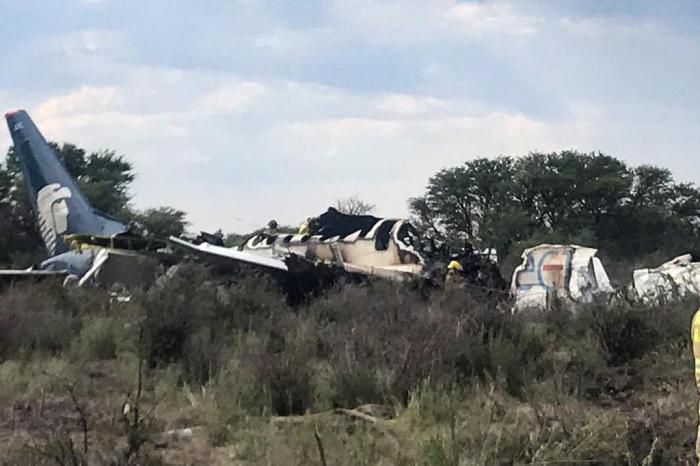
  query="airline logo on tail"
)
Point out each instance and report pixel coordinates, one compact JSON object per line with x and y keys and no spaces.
{"x":53,"y":213}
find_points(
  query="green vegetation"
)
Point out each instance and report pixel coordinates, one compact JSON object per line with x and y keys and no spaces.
{"x":191,"y":371}
{"x":367,"y":374}
{"x":628,"y":213}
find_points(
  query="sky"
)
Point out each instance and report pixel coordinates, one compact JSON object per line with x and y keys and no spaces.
{"x":242,"y":111}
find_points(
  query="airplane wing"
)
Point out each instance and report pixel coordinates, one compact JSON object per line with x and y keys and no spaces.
{"x":11,"y":276}
{"x":32,"y":273}
{"x":211,"y":251}
{"x":121,"y":242}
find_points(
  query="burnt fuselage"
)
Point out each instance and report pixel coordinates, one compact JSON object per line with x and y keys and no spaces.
{"x":360,"y":243}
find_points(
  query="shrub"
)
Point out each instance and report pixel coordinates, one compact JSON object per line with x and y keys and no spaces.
{"x":625,"y":332}
{"x":286,"y":369}
{"x":348,"y":385}
{"x":175,"y":311}
{"x":98,"y":339}
{"x":35,"y":317}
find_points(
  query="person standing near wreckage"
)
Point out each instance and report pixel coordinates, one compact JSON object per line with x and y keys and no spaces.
{"x":453,"y":277}
{"x":695,"y":336}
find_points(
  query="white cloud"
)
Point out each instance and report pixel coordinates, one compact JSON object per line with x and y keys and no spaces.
{"x":418,"y":22}
{"x":91,"y":43}
{"x":477,"y":19}
{"x":409,"y":105}
{"x":386,"y":160}
{"x":598,"y":25}
{"x":307,"y":143}
{"x":304,"y":143}
{"x":231,"y":97}
{"x":428,"y":143}
{"x":87,"y":99}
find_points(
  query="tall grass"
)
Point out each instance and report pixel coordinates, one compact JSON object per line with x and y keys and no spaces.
{"x":469,"y":382}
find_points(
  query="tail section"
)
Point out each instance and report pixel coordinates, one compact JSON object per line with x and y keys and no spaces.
{"x":60,"y":207}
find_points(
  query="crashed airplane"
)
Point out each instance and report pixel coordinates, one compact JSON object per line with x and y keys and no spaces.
{"x":356,"y":244}
{"x":67,"y":222}
{"x":551,"y":272}
{"x":84,"y":244}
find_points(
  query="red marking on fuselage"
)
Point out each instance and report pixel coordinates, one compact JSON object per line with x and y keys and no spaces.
{"x":550,"y":267}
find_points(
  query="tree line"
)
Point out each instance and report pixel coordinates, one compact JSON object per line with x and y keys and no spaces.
{"x":592,"y":199}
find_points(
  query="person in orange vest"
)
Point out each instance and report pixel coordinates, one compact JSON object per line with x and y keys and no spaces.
{"x":695,"y":336}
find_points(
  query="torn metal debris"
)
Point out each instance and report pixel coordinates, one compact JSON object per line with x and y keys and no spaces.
{"x":677,"y":278}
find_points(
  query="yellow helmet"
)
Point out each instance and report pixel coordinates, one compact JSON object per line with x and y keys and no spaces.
{"x":454,"y":265}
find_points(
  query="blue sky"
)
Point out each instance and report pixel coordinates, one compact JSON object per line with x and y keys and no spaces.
{"x":240,"y":111}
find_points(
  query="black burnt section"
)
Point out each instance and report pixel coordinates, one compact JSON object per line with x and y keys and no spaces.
{"x":333,"y":223}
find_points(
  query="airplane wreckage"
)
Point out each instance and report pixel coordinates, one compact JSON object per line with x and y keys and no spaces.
{"x":357,"y":244}
{"x":85,"y":245}
{"x":65,"y":217}
{"x":553,"y":272}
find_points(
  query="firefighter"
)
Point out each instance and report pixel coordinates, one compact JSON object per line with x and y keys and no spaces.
{"x":454,"y":268}
{"x":695,"y":335}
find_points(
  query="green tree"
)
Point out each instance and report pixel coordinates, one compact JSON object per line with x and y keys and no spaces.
{"x":474,"y":203}
{"x":161,"y":222}
{"x":448,"y":197}
{"x":652,"y":187}
{"x":591,"y":198}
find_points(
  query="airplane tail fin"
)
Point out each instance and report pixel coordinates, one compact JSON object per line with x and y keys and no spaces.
{"x":59,"y":205}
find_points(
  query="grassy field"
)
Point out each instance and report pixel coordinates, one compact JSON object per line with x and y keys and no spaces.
{"x":379,"y":373}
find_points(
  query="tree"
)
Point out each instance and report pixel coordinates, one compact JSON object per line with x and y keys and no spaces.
{"x":474,"y":203}
{"x":426,"y":219}
{"x":161,"y":222}
{"x":353,"y":205}
{"x":568,"y":196}
{"x":652,"y":187}
{"x":448,"y":195}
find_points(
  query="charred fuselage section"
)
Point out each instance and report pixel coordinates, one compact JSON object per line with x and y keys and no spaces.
{"x":357,"y":243}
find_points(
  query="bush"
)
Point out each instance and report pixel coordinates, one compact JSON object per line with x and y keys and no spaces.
{"x":35,"y":317}
{"x":189,"y":317}
{"x":98,"y":339}
{"x":175,"y":312}
{"x":287,"y":369}
{"x":626,"y":333}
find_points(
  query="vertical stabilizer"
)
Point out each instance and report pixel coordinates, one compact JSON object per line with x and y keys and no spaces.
{"x":61,"y":209}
